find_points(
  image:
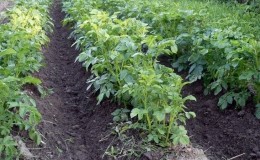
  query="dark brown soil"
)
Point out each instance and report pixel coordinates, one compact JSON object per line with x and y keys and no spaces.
{"x":223,"y":134}
{"x":72,"y":123}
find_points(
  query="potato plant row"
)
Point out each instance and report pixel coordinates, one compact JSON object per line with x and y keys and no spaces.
{"x":21,"y":39}
{"x":225,"y":56}
{"x":121,"y":56}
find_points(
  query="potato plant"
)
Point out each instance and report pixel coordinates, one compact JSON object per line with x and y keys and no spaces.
{"x":20,"y":45}
{"x":225,"y":56}
{"x":112,"y":49}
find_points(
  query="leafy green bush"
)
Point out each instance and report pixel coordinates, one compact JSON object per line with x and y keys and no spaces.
{"x":20,"y":45}
{"x":112,"y":49}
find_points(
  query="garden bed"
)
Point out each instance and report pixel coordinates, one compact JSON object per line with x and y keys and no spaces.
{"x":74,"y":127}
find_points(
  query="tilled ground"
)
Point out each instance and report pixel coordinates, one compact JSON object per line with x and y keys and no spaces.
{"x":223,"y":134}
{"x":73,"y":124}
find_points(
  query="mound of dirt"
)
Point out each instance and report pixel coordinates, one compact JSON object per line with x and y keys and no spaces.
{"x":223,"y":134}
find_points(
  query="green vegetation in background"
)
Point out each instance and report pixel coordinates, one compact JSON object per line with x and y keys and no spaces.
{"x":20,"y":54}
{"x":211,"y":13}
{"x":222,"y":15}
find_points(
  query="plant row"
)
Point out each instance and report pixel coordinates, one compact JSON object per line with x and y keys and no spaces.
{"x":226,"y":56}
{"x":121,"y":56}
{"x":21,"y":39}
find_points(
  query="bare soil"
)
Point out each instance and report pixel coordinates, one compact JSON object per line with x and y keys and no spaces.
{"x":223,"y":134}
{"x":72,"y":123}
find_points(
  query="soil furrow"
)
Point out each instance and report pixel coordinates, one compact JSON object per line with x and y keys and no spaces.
{"x":72,"y":122}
